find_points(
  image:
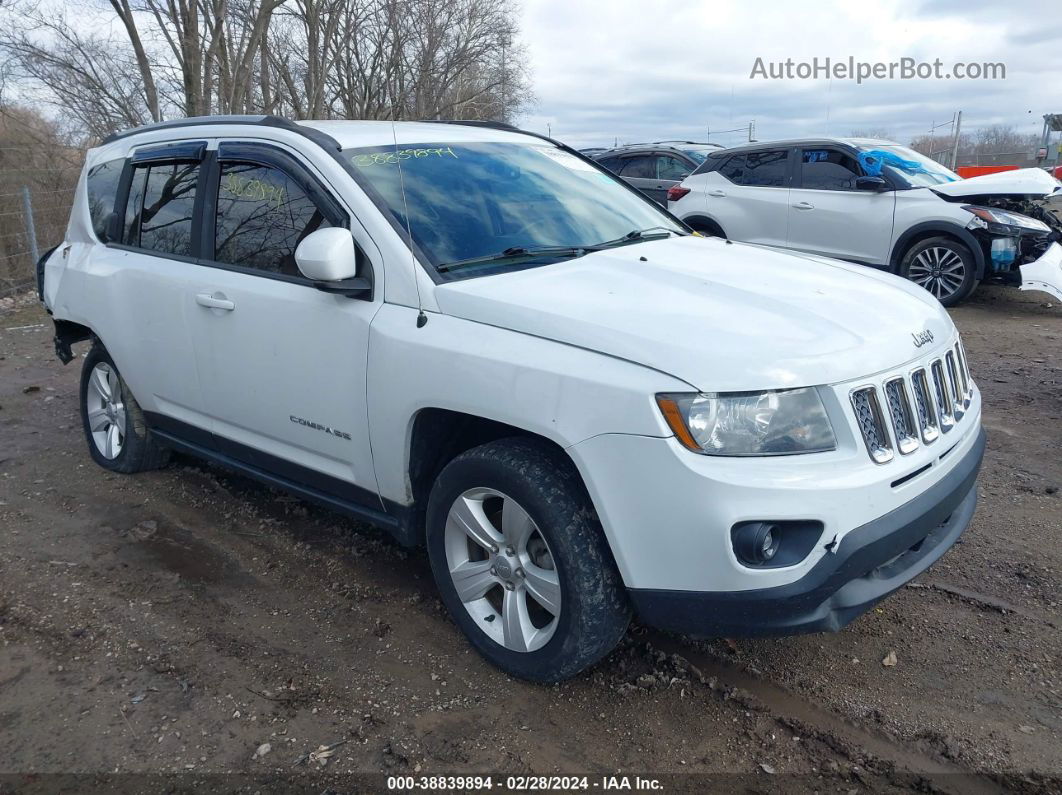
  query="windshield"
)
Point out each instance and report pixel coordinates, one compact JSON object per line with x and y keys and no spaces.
{"x":906,"y":167}
{"x":473,"y":200}
{"x":699,"y":153}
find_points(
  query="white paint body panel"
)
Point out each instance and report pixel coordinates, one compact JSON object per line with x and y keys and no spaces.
{"x":574,"y":352}
{"x":720,"y":316}
{"x":1045,"y":274}
{"x":1023,"y":181}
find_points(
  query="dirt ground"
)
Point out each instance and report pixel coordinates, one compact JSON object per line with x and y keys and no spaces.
{"x":192,"y":623}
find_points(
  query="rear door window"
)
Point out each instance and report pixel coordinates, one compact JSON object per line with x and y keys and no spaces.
{"x":828,"y":169}
{"x":734,"y":169}
{"x":639,"y":167}
{"x":766,"y":169}
{"x":668,"y":167}
{"x":159,"y":210}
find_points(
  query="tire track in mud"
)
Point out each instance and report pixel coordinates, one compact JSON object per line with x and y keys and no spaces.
{"x":903,"y":765}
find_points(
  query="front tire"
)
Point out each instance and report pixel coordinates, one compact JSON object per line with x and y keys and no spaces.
{"x":944,"y":267}
{"x":117,"y":434}
{"x":521,"y":562}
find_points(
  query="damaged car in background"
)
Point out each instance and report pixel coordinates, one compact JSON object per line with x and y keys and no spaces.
{"x":881,"y":204}
{"x":1016,"y":217}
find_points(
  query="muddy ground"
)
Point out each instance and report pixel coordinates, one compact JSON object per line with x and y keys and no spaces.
{"x":181,"y":621}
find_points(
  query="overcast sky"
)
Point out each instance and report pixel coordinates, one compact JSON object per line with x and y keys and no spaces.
{"x":636,"y":70}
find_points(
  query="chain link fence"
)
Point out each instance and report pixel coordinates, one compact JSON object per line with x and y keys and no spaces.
{"x":31,"y":222}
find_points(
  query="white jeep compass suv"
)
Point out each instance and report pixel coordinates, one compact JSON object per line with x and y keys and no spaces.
{"x":877,"y":203}
{"x":483,"y":342}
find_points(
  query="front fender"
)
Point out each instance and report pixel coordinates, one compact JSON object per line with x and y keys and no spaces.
{"x":560,"y":392}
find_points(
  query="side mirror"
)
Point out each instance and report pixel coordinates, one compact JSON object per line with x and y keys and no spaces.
{"x":329,"y":258}
{"x":876,"y":184}
{"x":327,"y":255}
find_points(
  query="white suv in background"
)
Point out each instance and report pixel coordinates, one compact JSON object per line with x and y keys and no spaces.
{"x":881,"y":204}
{"x":481,"y":341}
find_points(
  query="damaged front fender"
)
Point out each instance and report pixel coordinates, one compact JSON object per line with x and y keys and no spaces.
{"x":1045,"y":274}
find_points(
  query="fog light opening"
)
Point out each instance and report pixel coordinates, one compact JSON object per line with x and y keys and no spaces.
{"x":769,"y":546}
{"x":756,"y":543}
{"x":774,"y":543}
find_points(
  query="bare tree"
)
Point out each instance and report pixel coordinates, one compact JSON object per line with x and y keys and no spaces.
{"x":372,"y":59}
{"x":85,"y":74}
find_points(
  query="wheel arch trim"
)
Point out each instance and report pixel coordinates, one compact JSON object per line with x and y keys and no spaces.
{"x":928,"y":229}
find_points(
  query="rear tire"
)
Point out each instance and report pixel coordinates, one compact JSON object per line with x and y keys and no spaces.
{"x":944,"y":267}
{"x":117,"y":434}
{"x":547,"y":601}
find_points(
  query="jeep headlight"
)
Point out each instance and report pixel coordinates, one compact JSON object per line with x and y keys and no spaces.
{"x":749,"y":423}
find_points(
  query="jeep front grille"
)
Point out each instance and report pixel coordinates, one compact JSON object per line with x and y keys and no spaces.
{"x":907,"y":410}
{"x":958,"y":408}
{"x":943,"y":398}
{"x":964,"y":372}
{"x":927,"y":414}
{"x":872,"y":424}
{"x":902,"y":417}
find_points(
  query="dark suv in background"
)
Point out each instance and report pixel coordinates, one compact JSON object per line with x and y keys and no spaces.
{"x":654,"y":167}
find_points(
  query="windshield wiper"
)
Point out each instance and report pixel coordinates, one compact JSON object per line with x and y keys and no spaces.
{"x":563,"y":252}
{"x":516,"y":252}
{"x":636,"y":236}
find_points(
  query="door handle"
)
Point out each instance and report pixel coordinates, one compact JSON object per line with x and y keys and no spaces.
{"x":804,"y":206}
{"x":718,"y":193}
{"x":215,"y":301}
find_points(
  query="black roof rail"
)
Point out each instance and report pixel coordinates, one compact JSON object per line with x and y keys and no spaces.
{"x":477,"y":123}
{"x":318,"y":137}
{"x":681,"y":141}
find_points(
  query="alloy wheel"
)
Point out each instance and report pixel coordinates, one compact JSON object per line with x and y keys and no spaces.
{"x":939,"y":270}
{"x":105,"y":410}
{"x":502,"y":569}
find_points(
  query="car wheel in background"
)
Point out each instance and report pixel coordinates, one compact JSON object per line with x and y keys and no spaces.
{"x":521,"y":562}
{"x":706,"y":227}
{"x":943,"y":266}
{"x":117,"y":435}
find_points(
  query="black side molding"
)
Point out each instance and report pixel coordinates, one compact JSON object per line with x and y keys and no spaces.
{"x":336,"y":495}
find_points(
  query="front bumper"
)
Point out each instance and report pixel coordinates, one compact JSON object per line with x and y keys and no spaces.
{"x":867,"y":565}
{"x":1045,"y":274}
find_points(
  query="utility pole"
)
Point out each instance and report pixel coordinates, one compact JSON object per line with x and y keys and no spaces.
{"x":752,"y":131}
{"x":955,"y":144}
{"x":31,"y":230}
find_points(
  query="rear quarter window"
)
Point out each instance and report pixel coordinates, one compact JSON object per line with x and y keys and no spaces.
{"x":734,"y":169}
{"x":102,"y":187}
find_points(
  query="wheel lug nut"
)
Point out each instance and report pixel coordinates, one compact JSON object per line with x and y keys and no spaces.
{"x":509,"y":586}
{"x":493,"y":571}
{"x":519,"y":573}
{"x":494,"y":548}
{"x":510,"y":551}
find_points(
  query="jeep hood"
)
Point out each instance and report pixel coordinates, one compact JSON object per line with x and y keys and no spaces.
{"x":719,"y":316}
{"x":1023,"y":182}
